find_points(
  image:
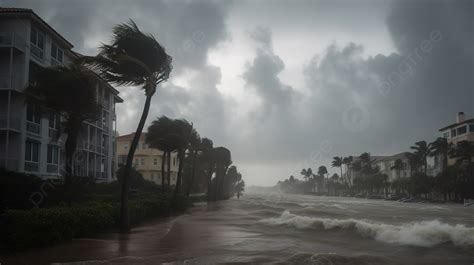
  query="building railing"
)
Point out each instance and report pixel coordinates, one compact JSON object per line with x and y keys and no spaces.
{"x":10,"y":164}
{"x":52,"y":168}
{"x":15,"y":122}
{"x":10,"y":82}
{"x":12,"y":39}
{"x":33,"y":127}
{"x":53,"y":134}
{"x":31,"y":166}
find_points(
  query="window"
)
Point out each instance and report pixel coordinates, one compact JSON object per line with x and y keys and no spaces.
{"x":462,"y":130}
{"x":53,"y":155}
{"x":54,"y":121}
{"x":33,"y":118}
{"x":125,"y":146}
{"x":138,"y":146}
{"x":453,"y":133}
{"x":471,"y":127}
{"x":122,"y":159}
{"x":31,"y":156}
{"x":53,"y":159}
{"x":56,"y":54}
{"x":142,"y":161}
{"x":32,"y":114}
{"x":446,"y":135}
{"x":155,"y":161}
{"x":174,"y":161}
{"x":37,"y":43}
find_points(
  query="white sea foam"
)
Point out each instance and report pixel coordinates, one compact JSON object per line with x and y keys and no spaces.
{"x":321,"y":204}
{"x":425,"y":234}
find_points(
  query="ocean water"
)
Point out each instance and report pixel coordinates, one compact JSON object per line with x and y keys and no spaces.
{"x":283,"y":229}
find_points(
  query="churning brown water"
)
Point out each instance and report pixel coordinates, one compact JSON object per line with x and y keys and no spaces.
{"x":283,"y":229}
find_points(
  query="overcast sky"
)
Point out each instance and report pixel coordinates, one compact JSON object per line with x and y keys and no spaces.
{"x":290,"y":84}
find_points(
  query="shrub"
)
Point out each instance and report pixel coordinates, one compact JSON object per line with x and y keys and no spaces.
{"x":26,"y":228}
{"x":46,"y":226}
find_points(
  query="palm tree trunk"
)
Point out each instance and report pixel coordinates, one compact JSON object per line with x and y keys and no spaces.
{"x":169,"y":169}
{"x":124,"y":213}
{"x":193,"y":173}
{"x":73,"y":128}
{"x":223,"y":186}
{"x":163,"y":159}
{"x":209,"y":183}
{"x":177,"y":189}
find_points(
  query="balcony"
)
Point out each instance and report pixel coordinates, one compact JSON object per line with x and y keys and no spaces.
{"x":32,"y":127}
{"x":9,"y":163}
{"x":10,"y":82}
{"x":12,"y":40}
{"x":31,"y":166}
{"x":52,"y":169}
{"x":37,"y":52}
{"x":12,"y":123}
{"x":53,"y":134}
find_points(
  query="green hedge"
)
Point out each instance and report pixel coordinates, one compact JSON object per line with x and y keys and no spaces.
{"x":46,"y":226}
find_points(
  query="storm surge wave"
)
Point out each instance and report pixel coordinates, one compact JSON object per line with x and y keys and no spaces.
{"x":424,"y":234}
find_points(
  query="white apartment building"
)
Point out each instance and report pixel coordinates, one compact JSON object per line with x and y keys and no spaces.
{"x":30,"y":138}
{"x":461,"y":130}
{"x":385,"y":165}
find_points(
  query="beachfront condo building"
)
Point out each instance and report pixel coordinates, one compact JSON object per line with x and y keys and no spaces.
{"x":461,"y":130}
{"x":30,"y":137}
{"x":146,"y":160}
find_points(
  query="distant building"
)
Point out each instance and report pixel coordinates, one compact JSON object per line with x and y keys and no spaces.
{"x":385,"y":164}
{"x":146,"y":160}
{"x":30,"y":139}
{"x":461,"y":130}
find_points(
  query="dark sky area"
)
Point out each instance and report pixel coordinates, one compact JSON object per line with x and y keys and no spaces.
{"x":290,"y":84}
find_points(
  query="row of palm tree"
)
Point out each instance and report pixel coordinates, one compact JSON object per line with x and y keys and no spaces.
{"x":178,"y":135}
{"x":456,"y":180}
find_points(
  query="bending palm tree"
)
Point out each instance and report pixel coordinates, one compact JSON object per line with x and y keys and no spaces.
{"x":133,"y":58}
{"x":70,"y":92}
{"x":421,"y":151}
{"x":440,"y":147}
{"x":161,"y":136}
{"x":338,"y":162}
{"x":195,"y":148}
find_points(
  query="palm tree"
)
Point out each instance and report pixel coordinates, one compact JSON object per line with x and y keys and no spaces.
{"x":348,"y":162}
{"x":307,"y":173}
{"x":338,"y":162}
{"x":322,"y":170}
{"x":133,"y":58}
{"x":195,"y":146}
{"x":70,"y":92}
{"x":222,"y":158}
{"x":184,"y":132}
{"x":440,"y":147}
{"x":414,"y":162}
{"x":422,"y":150}
{"x":161,"y":136}
{"x":398,"y":166}
{"x":207,"y":157}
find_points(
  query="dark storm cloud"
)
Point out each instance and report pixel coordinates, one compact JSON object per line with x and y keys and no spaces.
{"x":383,"y":103}
{"x":352,"y":101}
{"x":262,"y":74}
{"x":187,"y":29}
